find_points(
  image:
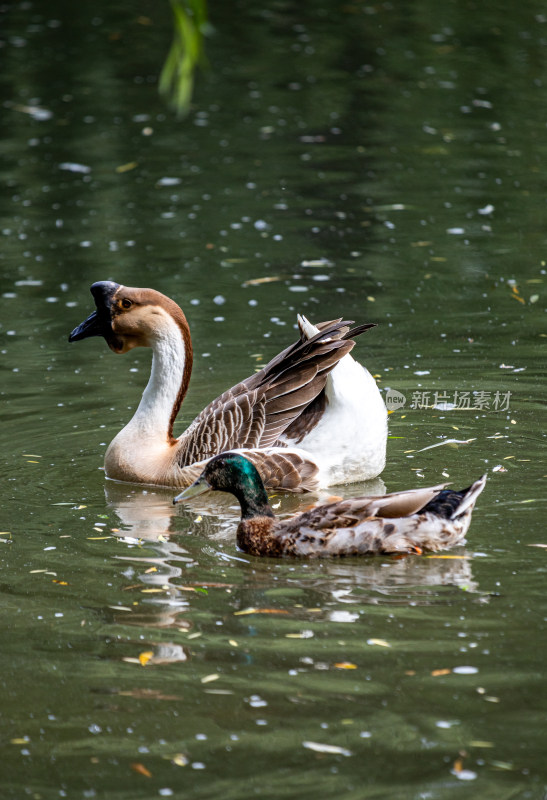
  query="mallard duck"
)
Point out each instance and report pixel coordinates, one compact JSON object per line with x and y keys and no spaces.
{"x":310,"y":418}
{"x":403,"y":522}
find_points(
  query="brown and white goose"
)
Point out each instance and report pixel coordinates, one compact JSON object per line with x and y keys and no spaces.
{"x":310,"y":418}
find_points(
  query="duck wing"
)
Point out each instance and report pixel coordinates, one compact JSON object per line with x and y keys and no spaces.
{"x":255,"y":412}
{"x":354,"y":510}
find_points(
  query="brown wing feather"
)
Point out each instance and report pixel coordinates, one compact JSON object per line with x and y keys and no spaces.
{"x":255,"y":412}
{"x":349,"y":513}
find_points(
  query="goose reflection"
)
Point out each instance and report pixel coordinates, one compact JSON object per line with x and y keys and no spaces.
{"x":145,"y":518}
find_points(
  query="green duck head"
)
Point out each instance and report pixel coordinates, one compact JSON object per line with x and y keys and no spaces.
{"x":233,"y":473}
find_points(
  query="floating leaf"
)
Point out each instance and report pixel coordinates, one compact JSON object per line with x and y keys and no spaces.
{"x":127,"y":167}
{"x":179,"y":760}
{"x":502,"y":764}
{"x":446,"y":441}
{"x":22,"y":740}
{"x":145,"y":657}
{"x":301,"y":635}
{"x":436,"y":672}
{"x":379,"y":642}
{"x":258,"y":281}
{"x":246,"y":611}
{"x":210,"y":678}
{"x":345,"y":665}
{"x":449,"y":557}
{"x":141,"y":769}
{"x":332,"y":749}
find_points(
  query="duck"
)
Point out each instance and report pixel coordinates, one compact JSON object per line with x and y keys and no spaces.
{"x":311,"y":418}
{"x":413,"y":521}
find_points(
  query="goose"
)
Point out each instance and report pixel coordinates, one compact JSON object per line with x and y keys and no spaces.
{"x":310,"y":418}
{"x":432,"y":518}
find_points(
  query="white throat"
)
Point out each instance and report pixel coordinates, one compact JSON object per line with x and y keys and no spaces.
{"x":152,"y":417}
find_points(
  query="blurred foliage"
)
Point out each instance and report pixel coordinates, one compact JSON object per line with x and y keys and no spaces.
{"x":187,"y":51}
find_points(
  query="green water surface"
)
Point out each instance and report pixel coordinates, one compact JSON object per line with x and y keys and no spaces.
{"x":379,"y":162}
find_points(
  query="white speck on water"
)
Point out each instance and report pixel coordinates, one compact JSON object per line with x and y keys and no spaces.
{"x":255,"y":701}
{"x":52,"y":299}
{"x":261,"y":225}
{"x":71,"y":166}
{"x":465,"y":670}
{"x":194,"y":302}
{"x":423,"y":372}
{"x":168,"y":182}
{"x":464,"y":774}
{"x":445,"y":723}
{"x":49,"y":548}
{"x":488,"y":209}
{"x":218,"y":319}
{"x":343,"y":616}
{"x":85,"y":244}
{"x":219,"y":300}
{"x":94,"y":728}
{"x":197,"y":765}
{"x":298,"y":288}
{"x":456,"y":231}
{"x":165,"y":792}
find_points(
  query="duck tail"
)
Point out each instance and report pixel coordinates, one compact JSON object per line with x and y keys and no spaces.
{"x":469,"y":497}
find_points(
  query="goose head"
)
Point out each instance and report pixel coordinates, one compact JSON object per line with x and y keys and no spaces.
{"x":128,"y":317}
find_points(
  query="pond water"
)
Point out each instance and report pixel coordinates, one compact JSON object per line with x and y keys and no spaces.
{"x":381,"y":162}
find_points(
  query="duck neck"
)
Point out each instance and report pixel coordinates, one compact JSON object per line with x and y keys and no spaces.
{"x":169,"y":378}
{"x":253,"y":499}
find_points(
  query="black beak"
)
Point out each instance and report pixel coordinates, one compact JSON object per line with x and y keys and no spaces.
{"x":99,"y":322}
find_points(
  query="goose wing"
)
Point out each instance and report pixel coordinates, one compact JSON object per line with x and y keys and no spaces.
{"x":254,"y":413}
